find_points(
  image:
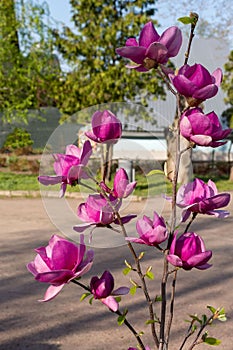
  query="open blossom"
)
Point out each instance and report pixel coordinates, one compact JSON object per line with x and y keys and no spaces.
{"x":151,"y":232}
{"x":202,"y":129}
{"x":69,"y":166}
{"x":199,"y":197}
{"x":196,"y":83}
{"x":151,"y":49}
{"x":106,"y":127}
{"x":102,"y":289}
{"x":122,"y":188}
{"x":59,"y":263}
{"x":189,"y":251}
{"x":97,"y":211}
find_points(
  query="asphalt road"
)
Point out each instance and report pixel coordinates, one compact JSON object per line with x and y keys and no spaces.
{"x":66,"y":323}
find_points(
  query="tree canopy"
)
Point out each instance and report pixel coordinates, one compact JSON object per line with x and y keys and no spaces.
{"x":29,"y":71}
{"x":98,"y":74}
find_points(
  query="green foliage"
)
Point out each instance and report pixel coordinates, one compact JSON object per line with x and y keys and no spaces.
{"x":228,"y":88}
{"x":212,"y":341}
{"x":18,"y":139}
{"x":99,"y":74}
{"x":29,"y":71}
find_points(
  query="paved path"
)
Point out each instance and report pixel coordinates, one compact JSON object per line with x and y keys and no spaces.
{"x":67,"y":324}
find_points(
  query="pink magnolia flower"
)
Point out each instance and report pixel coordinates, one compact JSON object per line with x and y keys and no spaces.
{"x":97,"y":211}
{"x":106,"y":127}
{"x":59,"y":263}
{"x":122,"y":188}
{"x":102,"y":289}
{"x":151,"y":232}
{"x":69,"y":166}
{"x":189,"y":251}
{"x":202,"y":129}
{"x":152,"y":48}
{"x":199,"y":197}
{"x":196,"y":83}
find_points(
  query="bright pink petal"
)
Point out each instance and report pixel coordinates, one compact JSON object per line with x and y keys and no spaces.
{"x":148,"y":35}
{"x":111,"y":303}
{"x":172,"y":40}
{"x":50,"y":180}
{"x":52,"y":292}
{"x":217,"y":74}
{"x":134,"y":53}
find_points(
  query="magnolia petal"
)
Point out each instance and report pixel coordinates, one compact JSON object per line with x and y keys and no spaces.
{"x":49,"y":180}
{"x":148,"y":35}
{"x":82,"y":227}
{"x":121,"y":291}
{"x":111,"y":303}
{"x":217,"y":74}
{"x":134,"y":53}
{"x":172,"y":39}
{"x":52,"y":292}
{"x":174,"y":260}
{"x":205,"y":92}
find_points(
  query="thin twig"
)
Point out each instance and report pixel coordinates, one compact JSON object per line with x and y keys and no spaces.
{"x":190,"y":222}
{"x":135,"y":333}
{"x":191,"y":36}
{"x":171,"y":307}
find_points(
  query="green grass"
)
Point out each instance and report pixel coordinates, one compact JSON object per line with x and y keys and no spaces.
{"x":154,"y":185}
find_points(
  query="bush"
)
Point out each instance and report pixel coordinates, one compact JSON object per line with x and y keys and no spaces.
{"x":18,"y":141}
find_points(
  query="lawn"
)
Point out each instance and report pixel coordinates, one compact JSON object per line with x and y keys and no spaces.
{"x":153,"y":185}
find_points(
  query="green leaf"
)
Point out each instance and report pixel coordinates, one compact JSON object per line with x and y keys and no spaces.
{"x":155,"y":171}
{"x":121,"y":320}
{"x":133,"y":290}
{"x":185,"y":20}
{"x":118,"y":299}
{"x":150,"y":275}
{"x":91,"y":300}
{"x":212,"y":341}
{"x":195,"y":317}
{"x":151,"y":321}
{"x":126,"y":270}
{"x":84,"y":296}
{"x":158,"y":298}
{"x":212,"y":309}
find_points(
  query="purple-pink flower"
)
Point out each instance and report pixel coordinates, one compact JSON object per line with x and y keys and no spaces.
{"x":60,"y":262}
{"x":196,"y":83}
{"x":189,"y":251}
{"x":102,"y":289}
{"x":106,"y":127}
{"x":69,"y":166}
{"x":151,"y":49}
{"x":122,"y":188}
{"x":151,"y":232}
{"x":99,"y":212}
{"x":202,"y":129}
{"x":199,"y":197}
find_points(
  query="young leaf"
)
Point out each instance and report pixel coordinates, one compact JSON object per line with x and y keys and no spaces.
{"x":91,"y":300}
{"x":133,"y":290}
{"x":185,"y":20}
{"x":212,"y":341}
{"x":150,"y":275}
{"x":126,"y":271}
{"x":212,"y":309}
{"x":158,"y":298}
{"x":84,"y":295}
{"x":151,"y":321}
{"x":118,"y":299}
{"x":121,"y":320}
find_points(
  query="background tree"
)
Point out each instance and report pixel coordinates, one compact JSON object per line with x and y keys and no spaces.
{"x":228,"y":88}
{"x":29,"y":72}
{"x":98,"y":74}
